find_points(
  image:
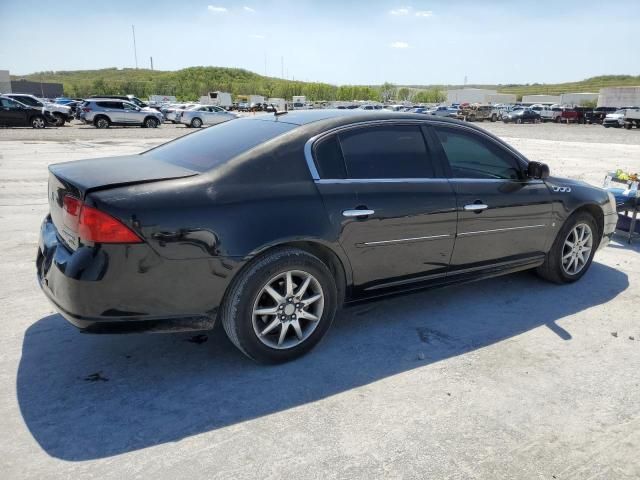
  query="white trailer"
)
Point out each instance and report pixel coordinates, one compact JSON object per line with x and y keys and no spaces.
{"x":279,"y":103}
{"x":254,"y":99}
{"x":220,"y":99}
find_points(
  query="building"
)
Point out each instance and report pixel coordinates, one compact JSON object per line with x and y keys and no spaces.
{"x":39,"y":89}
{"x":577,"y":98}
{"x":469,"y":95}
{"x":500,"y":98}
{"x":532,"y":99}
{"x":5,"y":81}
{"x":478,"y":95}
{"x":619,"y":97}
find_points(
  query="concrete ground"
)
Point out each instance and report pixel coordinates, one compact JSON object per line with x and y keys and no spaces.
{"x":506,"y":378}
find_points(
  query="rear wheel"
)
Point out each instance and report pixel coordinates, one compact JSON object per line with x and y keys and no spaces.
{"x":494,"y":117}
{"x":196,"y":123}
{"x":558,"y":119}
{"x":572,"y":252}
{"x":280,"y":306}
{"x":518,"y":120}
{"x":102,"y":122}
{"x":38,"y":122}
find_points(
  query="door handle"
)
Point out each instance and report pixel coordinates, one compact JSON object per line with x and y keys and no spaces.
{"x":358,"y":212}
{"x":475,"y":207}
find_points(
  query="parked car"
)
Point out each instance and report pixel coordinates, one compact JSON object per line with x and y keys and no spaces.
{"x":631,"y":118}
{"x":474,"y":113}
{"x":204,"y":115}
{"x":598,"y":114}
{"x":127,"y":98}
{"x":444,"y":111}
{"x":571,"y":115}
{"x":550,"y":113}
{"x":615,"y":119}
{"x":522,"y":115}
{"x":170,"y":113}
{"x":497,"y":111}
{"x":16,"y":114}
{"x":268,"y":224}
{"x":105,"y":112}
{"x":59,"y":113}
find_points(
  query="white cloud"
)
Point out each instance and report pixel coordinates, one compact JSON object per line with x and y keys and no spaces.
{"x":400,"y":11}
{"x":399,"y":45}
{"x":424,"y":13}
{"x":249,"y":9}
{"x":255,"y":35}
{"x":213,"y":9}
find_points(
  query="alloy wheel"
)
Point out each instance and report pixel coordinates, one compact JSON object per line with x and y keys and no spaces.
{"x":577,"y":249}
{"x":38,"y":122}
{"x":288,"y":309}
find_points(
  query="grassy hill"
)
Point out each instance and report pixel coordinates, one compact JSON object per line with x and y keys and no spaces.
{"x":190,"y":83}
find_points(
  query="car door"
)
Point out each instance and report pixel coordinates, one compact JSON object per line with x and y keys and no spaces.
{"x":395,"y":211}
{"x":131,"y":113}
{"x":503,"y":216}
{"x":12,"y":114}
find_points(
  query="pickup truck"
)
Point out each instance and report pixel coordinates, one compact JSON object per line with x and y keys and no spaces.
{"x":550,"y":113}
{"x":597,"y":114}
{"x":569,"y":115}
{"x":474,"y":113}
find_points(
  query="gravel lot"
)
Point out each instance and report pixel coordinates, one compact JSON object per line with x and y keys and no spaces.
{"x":506,"y":378}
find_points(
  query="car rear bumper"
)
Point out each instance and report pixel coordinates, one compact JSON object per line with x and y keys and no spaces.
{"x":129,"y":288}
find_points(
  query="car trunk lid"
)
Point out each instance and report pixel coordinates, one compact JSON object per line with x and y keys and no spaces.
{"x":77,"y":179}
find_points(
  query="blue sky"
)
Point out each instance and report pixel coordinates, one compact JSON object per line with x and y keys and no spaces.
{"x":340,"y":42}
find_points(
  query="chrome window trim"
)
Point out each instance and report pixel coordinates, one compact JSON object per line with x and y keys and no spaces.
{"x":498,"y":230}
{"x":308,"y":148}
{"x":402,"y":240}
{"x":325,"y":181}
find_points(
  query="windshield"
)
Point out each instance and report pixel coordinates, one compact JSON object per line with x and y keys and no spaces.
{"x":619,"y":112}
{"x":216,"y":145}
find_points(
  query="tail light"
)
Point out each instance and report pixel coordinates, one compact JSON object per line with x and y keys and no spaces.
{"x":92,"y":225}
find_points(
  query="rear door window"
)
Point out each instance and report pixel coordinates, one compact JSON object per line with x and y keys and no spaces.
{"x":328,"y":158}
{"x":386,"y":152}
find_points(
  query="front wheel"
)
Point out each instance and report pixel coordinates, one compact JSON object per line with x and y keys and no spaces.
{"x":572,"y":252}
{"x":59,"y":120}
{"x":151,"y":122}
{"x":38,"y":122}
{"x":280,"y":306}
{"x":196,"y":123}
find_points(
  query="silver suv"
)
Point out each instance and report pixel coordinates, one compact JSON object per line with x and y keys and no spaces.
{"x":104,"y":112}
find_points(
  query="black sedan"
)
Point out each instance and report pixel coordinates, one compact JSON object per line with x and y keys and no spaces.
{"x":269,"y":224}
{"x":522,"y":115}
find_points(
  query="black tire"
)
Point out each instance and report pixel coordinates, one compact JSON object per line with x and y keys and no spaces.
{"x":38,"y":121}
{"x":552,"y":269}
{"x":518,"y":120}
{"x":196,"y":123}
{"x":494,"y":117}
{"x":558,"y":119}
{"x":151,"y":122}
{"x":628,"y":125}
{"x":60,"y":121}
{"x":237,"y":309}
{"x":101,"y":122}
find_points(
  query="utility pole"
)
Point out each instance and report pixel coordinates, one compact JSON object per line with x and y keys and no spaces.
{"x":151,"y":58}
{"x":265,"y":64}
{"x":135,"y":51}
{"x":282,"y":67}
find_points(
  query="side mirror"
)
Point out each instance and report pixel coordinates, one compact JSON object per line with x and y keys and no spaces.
{"x":538,"y":170}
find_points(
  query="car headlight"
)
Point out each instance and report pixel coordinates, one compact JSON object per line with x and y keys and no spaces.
{"x":612,"y":202}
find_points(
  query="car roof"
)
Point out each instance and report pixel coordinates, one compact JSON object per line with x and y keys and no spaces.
{"x":341,"y":116}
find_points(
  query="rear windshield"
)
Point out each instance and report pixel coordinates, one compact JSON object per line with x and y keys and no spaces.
{"x":216,"y":145}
